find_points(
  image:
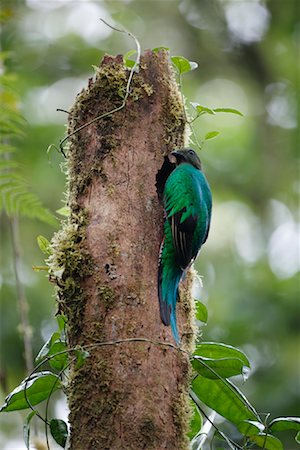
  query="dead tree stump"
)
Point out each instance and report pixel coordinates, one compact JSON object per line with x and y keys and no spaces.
{"x":127,"y":395}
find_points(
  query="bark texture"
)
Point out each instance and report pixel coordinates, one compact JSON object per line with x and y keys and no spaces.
{"x":128,"y":395}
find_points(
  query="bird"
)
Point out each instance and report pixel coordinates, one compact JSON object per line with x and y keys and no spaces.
{"x":187,"y":202}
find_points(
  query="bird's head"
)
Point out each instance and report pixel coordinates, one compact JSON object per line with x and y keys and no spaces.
{"x":187,"y":155}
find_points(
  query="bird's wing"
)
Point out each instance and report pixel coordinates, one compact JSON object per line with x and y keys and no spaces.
{"x":183,"y":234}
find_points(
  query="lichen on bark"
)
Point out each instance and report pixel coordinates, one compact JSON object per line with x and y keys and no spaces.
{"x":132,"y":394}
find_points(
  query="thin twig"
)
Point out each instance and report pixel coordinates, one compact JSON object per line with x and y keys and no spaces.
{"x":151,"y":341}
{"x":27,"y":399}
{"x":62,"y":110}
{"x":90,"y":347}
{"x":126,"y":94}
{"x":48,"y":400}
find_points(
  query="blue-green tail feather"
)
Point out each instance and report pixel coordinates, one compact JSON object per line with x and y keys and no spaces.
{"x":168,"y":282}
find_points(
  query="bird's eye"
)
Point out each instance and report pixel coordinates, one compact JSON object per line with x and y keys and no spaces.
{"x":191,"y":152}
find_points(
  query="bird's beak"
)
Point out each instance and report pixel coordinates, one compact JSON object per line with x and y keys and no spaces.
{"x":176,"y":153}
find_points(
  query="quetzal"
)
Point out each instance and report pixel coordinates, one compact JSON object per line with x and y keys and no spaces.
{"x":187,"y":202}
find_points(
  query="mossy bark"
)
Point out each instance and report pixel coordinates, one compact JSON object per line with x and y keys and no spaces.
{"x":130,"y":395}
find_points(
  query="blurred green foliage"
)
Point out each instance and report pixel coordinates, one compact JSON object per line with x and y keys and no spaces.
{"x":246,"y":52}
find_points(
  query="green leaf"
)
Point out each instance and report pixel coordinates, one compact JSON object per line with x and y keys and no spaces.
{"x":43,"y":353}
{"x":59,"y":431}
{"x":216,"y":368}
{"x":228,"y":110}
{"x":129,"y":53}
{"x":297,"y":437}
{"x":250,"y":427}
{"x":183,"y":65}
{"x":58,"y":362}
{"x":285,"y":423}
{"x":211,"y":135}
{"x":201,"y":312}
{"x":196,"y":422}
{"x":218,"y":350}
{"x":81,"y":357}
{"x":225,"y":398}
{"x":158,"y":49}
{"x":64,"y":211}
{"x":38,"y":387}
{"x":26,"y":429}
{"x":44,"y":245}
{"x":202,"y":109}
{"x":18,"y":200}
{"x":129,"y":62}
{"x":61,"y":322}
{"x":267,"y":441}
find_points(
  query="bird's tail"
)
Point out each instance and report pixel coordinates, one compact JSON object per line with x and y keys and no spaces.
{"x":168,"y":280}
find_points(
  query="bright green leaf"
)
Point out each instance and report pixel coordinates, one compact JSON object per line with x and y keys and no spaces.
{"x":250,"y":427}
{"x":285,"y":423}
{"x":202,"y":109}
{"x":61,"y":322}
{"x":201,"y":312}
{"x":129,"y":53}
{"x":64,"y":211}
{"x":216,"y":368}
{"x":38,"y":387}
{"x":182,"y":64}
{"x":44,"y":245}
{"x":218,"y":350}
{"x":211,"y":135}
{"x":196,"y":422}
{"x":223,"y":397}
{"x":59,"y":431}
{"x":58,"y":361}
{"x":26,"y":429}
{"x":229,"y":110}
{"x":126,"y":58}
{"x":267,"y":441}
{"x":128,"y":63}
{"x":43,"y":353}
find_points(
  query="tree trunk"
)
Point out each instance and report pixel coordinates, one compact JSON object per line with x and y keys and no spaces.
{"x":128,"y":394}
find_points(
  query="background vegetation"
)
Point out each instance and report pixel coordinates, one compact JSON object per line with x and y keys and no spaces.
{"x":246,"y":51}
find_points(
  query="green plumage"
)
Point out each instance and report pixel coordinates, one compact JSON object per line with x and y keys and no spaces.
{"x":187,"y":202}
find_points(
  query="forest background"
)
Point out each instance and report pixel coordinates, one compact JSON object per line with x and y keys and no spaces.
{"x":247,"y":56}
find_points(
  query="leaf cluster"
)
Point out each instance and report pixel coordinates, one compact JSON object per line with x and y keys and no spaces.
{"x":183,"y":65}
{"x":213,"y":364}
{"x":40,"y":385}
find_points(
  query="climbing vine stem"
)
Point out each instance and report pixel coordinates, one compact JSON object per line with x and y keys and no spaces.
{"x":133,"y":69}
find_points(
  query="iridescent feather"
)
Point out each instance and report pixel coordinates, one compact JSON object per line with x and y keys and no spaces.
{"x":187,"y":202}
